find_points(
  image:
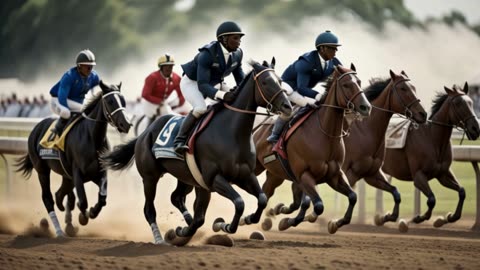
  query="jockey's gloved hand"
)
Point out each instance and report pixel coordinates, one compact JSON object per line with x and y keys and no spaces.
{"x":229,"y":97}
{"x":234,"y":89}
{"x":312,"y":105}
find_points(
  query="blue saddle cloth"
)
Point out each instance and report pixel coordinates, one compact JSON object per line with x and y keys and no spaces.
{"x":163,"y":146}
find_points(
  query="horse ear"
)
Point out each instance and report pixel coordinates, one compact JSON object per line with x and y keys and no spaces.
{"x":448,"y":90}
{"x":352,"y":67}
{"x":392,"y":74}
{"x":272,"y":65}
{"x":119,"y":86}
{"x":403,"y":73}
{"x":103,"y":86}
{"x":265,"y":63}
{"x":465,"y":88}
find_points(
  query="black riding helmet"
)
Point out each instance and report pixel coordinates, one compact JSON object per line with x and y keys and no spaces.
{"x":86,"y":57}
{"x":229,"y":28}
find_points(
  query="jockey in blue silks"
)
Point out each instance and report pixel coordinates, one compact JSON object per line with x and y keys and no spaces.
{"x":305,"y":73}
{"x":203,"y":76}
{"x":68,"y":94}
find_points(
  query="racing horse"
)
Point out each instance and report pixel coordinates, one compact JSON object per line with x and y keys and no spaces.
{"x":428,"y":151}
{"x":365,"y":145}
{"x":315,"y":150}
{"x":79,"y":162}
{"x":225,"y":155}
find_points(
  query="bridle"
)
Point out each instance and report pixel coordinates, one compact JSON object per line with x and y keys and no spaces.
{"x":461,"y":122}
{"x":270,"y":102}
{"x":106,"y":113}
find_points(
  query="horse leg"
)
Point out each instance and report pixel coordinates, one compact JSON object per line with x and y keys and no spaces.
{"x":421,"y":182}
{"x":252,"y":186}
{"x":69,"y":229}
{"x":150,"y":191}
{"x":65,"y":188}
{"x":178,"y":200}
{"x":82,"y":197}
{"x":289,"y":222}
{"x":102,"y":196}
{"x":379,"y":181}
{"x":47,"y":198}
{"x":448,"y":180}
{"x":202,"y":199}
{"x":272,"y":182}
{"x":342,"y":186}
{"x":222,"y":187}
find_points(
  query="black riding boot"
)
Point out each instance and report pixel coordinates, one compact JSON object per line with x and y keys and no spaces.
{"x":180,"y":140}
{"x":58,"y":129}
{"x":277,"y":130}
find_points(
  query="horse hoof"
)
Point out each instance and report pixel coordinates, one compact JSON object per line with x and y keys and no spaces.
{"x":278,"y":209}
{"x":82,"y":219}
{"x":173,"y":239}
{"x":217,"y":224}
{"x":92,"y":213}
{"x":379,"y":220}
{"x":242,"y":222}
{"x":450,"y":217}
{"x":311,"y":218}
{"x":220,"y":240}
{"x":44,"y":224}
{"x":70,"y":230}
{"x":256,"y":235}
{"x":270,"y":212}
{"x":267,"y":224}
{"x":439,"y":222}
{"x":283,"y":225}
{"x":403,"y":226}
{"x":332,"y":226}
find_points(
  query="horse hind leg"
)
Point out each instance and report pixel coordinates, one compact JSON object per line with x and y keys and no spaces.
{"x":448,"y":180}
{"x":293,"y":222}
{"x":70,"y":230}
{"x":102,"y":197}
{"x":178,"y":200}
{"x":44,"y":178}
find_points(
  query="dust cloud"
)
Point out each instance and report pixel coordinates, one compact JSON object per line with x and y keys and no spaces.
{"x":432,"y":58}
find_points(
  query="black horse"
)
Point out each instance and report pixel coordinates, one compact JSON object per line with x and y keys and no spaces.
{"x":79,"y":163}
{"x":225,"y":154}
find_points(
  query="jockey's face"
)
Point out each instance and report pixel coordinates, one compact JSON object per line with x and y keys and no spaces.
{"x":85,"y":70}
{"x":232,"y":42}
{"x":328,"y":52}
{"x":166,"y":70}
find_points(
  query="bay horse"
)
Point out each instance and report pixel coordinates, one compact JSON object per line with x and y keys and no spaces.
{"x":316,"y":150}
{"x":365,"y":144}
{"x":79,"y":162}
{"x":224,"y":152}
{"x":428,"y":151}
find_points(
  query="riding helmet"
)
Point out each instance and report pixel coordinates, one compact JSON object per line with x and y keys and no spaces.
{"x":166,"y":59}
{"x":327,"y":38}
{"x":229,"y":28}
{"x":86,"y":57}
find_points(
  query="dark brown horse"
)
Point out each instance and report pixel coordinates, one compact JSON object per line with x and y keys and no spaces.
{"x":316,"y":150}
{"x":428,"y":152}
{"x":365,"y":146}
{"x":224,"y":153}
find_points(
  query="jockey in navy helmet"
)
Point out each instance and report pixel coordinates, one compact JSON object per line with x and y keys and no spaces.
{"x":204,"y":76}
{"x":68,"y":94}
{"x":305,"y":73}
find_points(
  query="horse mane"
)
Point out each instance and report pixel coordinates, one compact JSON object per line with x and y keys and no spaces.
{"x":327,"y":86}
{"x":92,"y":103}
{"x":377,"y":85}
{"x":437,"y":102}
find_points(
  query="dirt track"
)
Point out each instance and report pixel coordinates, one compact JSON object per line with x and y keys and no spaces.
{"x":308,"y":247}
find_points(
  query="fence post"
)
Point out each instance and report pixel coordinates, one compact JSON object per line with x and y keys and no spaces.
{"x":476,"y":225}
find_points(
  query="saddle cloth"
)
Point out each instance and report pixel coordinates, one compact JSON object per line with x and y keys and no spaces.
{"x":58,"y":142}
{"x":396,"y":134}
{"x":163,"y":146}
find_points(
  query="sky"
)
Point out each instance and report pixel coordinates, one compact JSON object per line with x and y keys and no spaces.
{"x":425,"y":8}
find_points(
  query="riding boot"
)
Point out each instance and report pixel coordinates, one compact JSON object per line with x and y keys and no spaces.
{"x":277,"y":130}
{"x":58,"y":129}
{"x":180,"y":140}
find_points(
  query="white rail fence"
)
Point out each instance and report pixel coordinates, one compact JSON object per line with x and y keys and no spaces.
{"x":17,"y":129}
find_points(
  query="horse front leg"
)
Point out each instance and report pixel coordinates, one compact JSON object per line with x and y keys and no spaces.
{"x":150,"y":191}
{"x":421,"y":182}
{"x":286,"y":223}
{"x":448,"y":180}
{"x":379,"y":181}
{"x":252,"y":186}
{"x":178,"y":200}
{"x":65,"y":188}
{"x":341,"y":185}
{"x":272,"y":182}
{"x":102,"y":196}
{"x":47,"y":199}
{"x":82,"y":197}
{"x":222,"y":187}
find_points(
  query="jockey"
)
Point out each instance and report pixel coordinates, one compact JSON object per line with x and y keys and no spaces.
{"x":305,"y":73}
{"x":158,"y":87}
{"x":68,"y":94}
{"x":204,"y":76}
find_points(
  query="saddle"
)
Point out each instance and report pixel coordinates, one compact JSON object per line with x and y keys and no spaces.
{"x":59,"y":142}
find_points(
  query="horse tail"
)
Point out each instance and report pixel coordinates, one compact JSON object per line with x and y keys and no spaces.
{"x":24,"y":165}
{"x":121,"y":157}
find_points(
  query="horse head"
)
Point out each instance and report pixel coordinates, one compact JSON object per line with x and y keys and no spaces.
{"x":268,"y":89}
{"x":405,"y":100}
{"x":462,"y":113}
{"x":113,"y":104}
{"x":348,"y":93}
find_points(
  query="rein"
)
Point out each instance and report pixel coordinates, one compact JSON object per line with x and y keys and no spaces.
{"x":108,"y":115}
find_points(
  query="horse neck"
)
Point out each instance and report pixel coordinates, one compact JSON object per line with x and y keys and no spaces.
{"x":244,"y":101}
{"x":378,"y":120}
{"x":439,"y":133}
{"x":331,"y":119}
{"x":99,"y":123}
